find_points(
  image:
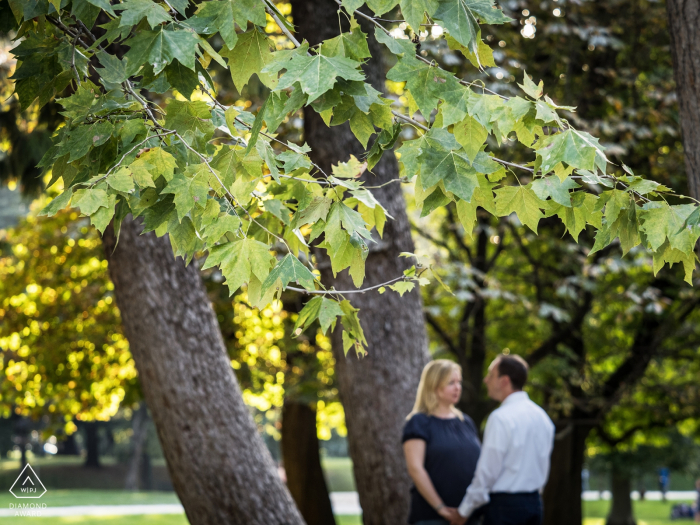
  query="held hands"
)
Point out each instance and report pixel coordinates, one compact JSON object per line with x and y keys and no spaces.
{"x":451,"y":515}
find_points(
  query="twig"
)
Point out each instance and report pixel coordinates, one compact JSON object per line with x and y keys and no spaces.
{"x":72,"y":61}
{"x":342,"y":292}
{"x":284,"y":29}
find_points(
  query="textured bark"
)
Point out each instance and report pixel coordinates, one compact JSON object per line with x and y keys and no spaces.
{"x":139,"y":421}
{"x":562,"y":495}
{"x":684,"y":21}
{"x":621,"y":508}
{"x":302,"y":463}
{"x":377,"y":391}
{"x":219,"y":466}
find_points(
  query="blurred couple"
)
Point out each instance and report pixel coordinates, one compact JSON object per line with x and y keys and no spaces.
{"x":456,"y":478}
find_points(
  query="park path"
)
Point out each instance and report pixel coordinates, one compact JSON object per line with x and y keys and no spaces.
{"x":344,"y":503}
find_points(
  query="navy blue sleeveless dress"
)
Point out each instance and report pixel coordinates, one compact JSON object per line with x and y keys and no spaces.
{"x":452,"y":449}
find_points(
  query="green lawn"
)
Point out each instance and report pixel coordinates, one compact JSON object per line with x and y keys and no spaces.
{"x":646,"y":513}
{"x":151,"y":519}
{"x":68,"y":498}
{"x":339,"y":474}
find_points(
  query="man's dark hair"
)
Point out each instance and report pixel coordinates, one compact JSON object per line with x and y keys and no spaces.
{"x":515,"y":367}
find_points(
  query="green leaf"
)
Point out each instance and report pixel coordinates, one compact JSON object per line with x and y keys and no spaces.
{"x":395,"y":45}
{"x":84,"y":137}
{"x":222,"y":15}
{"x":163,"y":162}
{"x":183,"y":238}
{"x":567,"y":147}
{"x":349,"y":219}
{"x":442,"y":160}
{"x":461,"y":18}
{"x":134,"y":10}
{"x":102,"y":4}
{"x":239,"y":261}
{"x":223,"y":224}
{"x":121,"y":180}
{"x":188,"y":118}
{"x":483,"y":56}
{"x":181,"y":78}
{"x":663,"y":222}
{"x":554,"y":188}
{"x":402,"y":287}
{"x":381,"y":6}
{"x":325,"y":310}
{"x":90,"y":200}
{"x":413,"y":11}
{"x":159,"y":48}
{"x":316,"y":74}
{"x":352,"y":5}
{"x":289,"y":269}
{"x":471,"y":135}
{"x":100,"y":219}
{"x":532,"y":89}
{"x":188,"y":188}
{"x":57,"y":203}
{"x":317,"y":210}
{"x":362,"y":128}
{"x":421,"y":79}
{"x":522,"y":201}
{"x":353,"y":335}
{"x":257,"y":125}
{"x":350,"y":45}
{"x":250,"y":54}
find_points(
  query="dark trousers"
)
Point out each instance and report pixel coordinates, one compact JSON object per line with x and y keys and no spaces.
{"x":524,"y":508}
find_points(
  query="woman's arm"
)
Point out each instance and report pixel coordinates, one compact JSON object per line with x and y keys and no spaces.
{"x":414,"y":450}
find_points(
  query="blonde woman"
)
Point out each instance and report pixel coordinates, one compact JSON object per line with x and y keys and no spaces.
{"x":441,"y":445}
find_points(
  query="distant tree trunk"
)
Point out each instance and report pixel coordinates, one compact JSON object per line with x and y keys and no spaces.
{"x":684,"y":21}
{"x":377,"y":391}
{"x":68,"y":446}
{"x":139,"y":420}
{"x":219,"y":465}
{"x":92,"y":444}
{"x":562,"y":495}
{"x":621,"y":508}
{"x":302,"y":463}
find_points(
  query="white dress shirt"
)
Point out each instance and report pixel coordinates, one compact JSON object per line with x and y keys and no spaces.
{"x":518,"y":442}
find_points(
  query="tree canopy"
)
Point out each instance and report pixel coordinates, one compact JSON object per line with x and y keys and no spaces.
{"x":210,"y":177}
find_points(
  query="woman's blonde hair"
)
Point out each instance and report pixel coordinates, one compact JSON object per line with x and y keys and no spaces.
{"x":436,"y":374}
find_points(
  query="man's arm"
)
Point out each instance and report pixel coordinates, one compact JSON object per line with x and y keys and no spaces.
{"x":488,"y":468}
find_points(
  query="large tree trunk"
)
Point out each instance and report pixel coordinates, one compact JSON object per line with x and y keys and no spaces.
{"x":302,"y":463}
{"x":562,"y":495}
{"x":220,"y":468}
{"x":92,"y":444}
{"x":684,"y":21}
{"x":377,"y":391}
{"x":621,"y":508}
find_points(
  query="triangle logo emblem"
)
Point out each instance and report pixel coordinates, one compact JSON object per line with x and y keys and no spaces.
{"x":27,"y":484}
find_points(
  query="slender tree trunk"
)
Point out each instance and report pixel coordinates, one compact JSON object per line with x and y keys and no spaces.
{"x":562,"y":495}
{"x":219,"y":465}
{"x":621,"y":508}
{"x":684,"y":21}
{"x":92,"y":444}
{"x":139,"y":420}
{"x":378,"y":390}
{"x":302,"y":463}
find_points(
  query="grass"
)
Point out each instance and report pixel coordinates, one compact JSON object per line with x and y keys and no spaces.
{"x":69,"y":498}
{"x":339,"y":476}
{"x":646,"y":513}
{"x":151,"y":519}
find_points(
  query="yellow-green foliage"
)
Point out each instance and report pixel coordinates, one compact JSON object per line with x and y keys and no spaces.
{"x":63,"y":353}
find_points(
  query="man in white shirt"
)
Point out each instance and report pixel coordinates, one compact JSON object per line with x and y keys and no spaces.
{"x":514,"y":463}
